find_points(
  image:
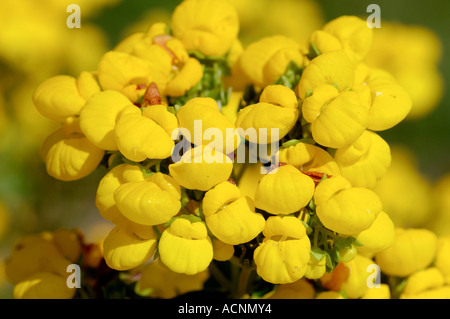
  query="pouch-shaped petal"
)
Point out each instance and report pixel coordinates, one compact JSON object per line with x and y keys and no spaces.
{"x":413,"y":249}
{"x":345,"y":210}
{"x":123,"y":72}
{"x":442,"y":261}
{"x":58,"y":97}
{"x":309,"y":158}
{"x":123,"y":250}
{"x":105,"y":202}
{"x":390,"y":102}
{"x":284,"y":254}
{"x":70,"y":157}
{"x":208,"y":26}
{"x":332,"y":68}
{"x":185,"y":247}
{"x":201,"y":168}
{"x":285,"y":191}
{"x":234,"y":221}
{"x":139,"y":137}
{"x":98,"y":118}
{"x":200,"y":115}
{"x":43,"y":285}
{"x":353,"y":34}
{"x":365,"y":161}
{"x":147,"y":202}
{"x":339,"y":119}
{"x":378,"y":237}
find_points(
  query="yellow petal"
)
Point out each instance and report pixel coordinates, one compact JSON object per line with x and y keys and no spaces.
{"x":184,"y":247}
{"x":413,"y":249}
{"x":285,"y":191}
{"x":378,"y":237}
{"x":147,"y":203}
{"x":201,"y":168}
{"x":58,"y":97}
{"x":123,"y":250}
{"x":139,"y":137}
{"x":98,"y":118}
{"x":205,"y":25}
{"x":43,"y":285}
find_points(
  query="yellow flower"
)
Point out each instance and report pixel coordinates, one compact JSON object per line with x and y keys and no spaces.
{"x":390,"y":102}
{"x":345,"y":209}
{"x":35,"y":254}
{"x":277,"y":109}
{"x":201,"y":115}
{"x":365,"y":161}
{"x":301,"y":289}
{"x":378,"y":237}
{"x":337,"y":119}
{"x":43,"y":285}
{"x":442,"y":261}
{"x":230,"y":216}
{"x":142,"y":134}
{"x":185,"y":247}
{"x":124,"y":73}
{"x":332,"y":68}
{"x":353,"y":34}
{"x":68,"y":154}
{"x":285,"y":251}
{"x":250,"y":178}
{"x":378,"y":292}
{"x":309,"y":158}
{"x":58,"y":98}
{"x":151,"y":202}
{"x":161,"y":282}
{"x":105,"y":202}
{"x":423,"y":280}
{"x":99,"y":115}
{"x":413,"y":249}
{"x":209,"y":26}
{"x":201,"y":168}
{"x":124,"y":250}
{"x":285,"y":191}
{"x":265,"y":60}
{"x":230,"y":110}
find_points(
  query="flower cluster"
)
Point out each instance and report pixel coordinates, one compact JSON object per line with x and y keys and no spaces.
{"x":176,"y":113}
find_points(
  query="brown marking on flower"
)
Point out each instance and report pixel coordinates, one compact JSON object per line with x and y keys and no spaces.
{"x":152,"y":95}
{"x":232,"y":181}
{"x":316,"y":176}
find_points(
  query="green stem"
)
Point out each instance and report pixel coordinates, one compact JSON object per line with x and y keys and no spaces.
{"x":243,"y":281}
{"x":219,"y":276}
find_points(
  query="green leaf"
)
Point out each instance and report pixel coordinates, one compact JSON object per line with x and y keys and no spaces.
{"x":318,"y":253}
{"x":290,"y":143}
{"x":344,"y":243}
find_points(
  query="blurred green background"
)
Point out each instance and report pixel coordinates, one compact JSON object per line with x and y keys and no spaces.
{"x":37,"y":202}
